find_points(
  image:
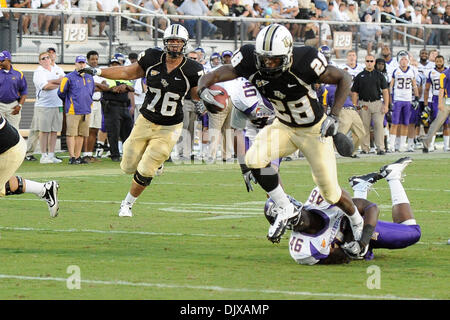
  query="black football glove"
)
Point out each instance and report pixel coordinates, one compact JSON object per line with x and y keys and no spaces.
{"x":248,"y":177}
{"x":199,"y":107}
{"x":329,"y":126}
{"x":89,"y":70}
{"x":415,"y":103}
{"x":260,"y":122}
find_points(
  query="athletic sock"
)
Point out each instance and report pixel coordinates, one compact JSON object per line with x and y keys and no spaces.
{"x":391,"y":142}
{"x":279,"y":196}
{"x":34,"y":187}
{"x":130,"y":200}
{"x":356,"y":217}
{"x":398,"y":194}
{"x":411,"y":143}
{"x":397,"y":143}
{"x":402,"y":143}
{"x":446,"y":142}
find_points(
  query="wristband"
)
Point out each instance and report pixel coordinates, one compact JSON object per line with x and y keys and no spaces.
{"x":98,"y":71}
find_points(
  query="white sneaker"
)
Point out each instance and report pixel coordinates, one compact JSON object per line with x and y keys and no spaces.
{"x":55,"y":160}
{"x":277,"y":229}
{"x":45,"y":159}
{"x":125,"y":210}
{"x":365,"y":182}
{"x":50,"y":194}
{"x":394,"y":170}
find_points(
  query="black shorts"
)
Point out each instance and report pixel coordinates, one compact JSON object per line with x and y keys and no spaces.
{"x":102,"y":18}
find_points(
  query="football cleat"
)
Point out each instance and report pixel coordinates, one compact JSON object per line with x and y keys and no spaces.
{"x":395,"y":170}
{"x":365,"y":182}
{"x":125,"y":210}
{"x":50,"y":194}
{"x":283,"y":217}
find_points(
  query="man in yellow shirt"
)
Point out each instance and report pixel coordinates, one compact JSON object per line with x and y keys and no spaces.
{"x":221,"y":8}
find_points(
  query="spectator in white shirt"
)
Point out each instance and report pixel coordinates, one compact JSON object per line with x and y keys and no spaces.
{"x":106,"y":6}
{"x":48,"y":107}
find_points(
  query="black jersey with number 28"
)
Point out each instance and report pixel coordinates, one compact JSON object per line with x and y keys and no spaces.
{"x":163,"y":102}
{"x":292,"y":94}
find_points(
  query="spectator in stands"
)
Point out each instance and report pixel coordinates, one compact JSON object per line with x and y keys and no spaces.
{"x":47,"y":20}
{"x":170,"y":8}
{"x":289,"y":10}
{"x":88,"y":5}
{"x":435,"y":33}
{"x":373,"y":10}
{"x":26,"y":18}
{"x":220,"y":8}
{"x":369,"y":34}
{"x":48,"y":107}
{"x":445,"y":33}
{"x":199,"y":9}
{"x":251,"y":28}
{"x":13,"y":90}
{"x":76,"y":91}
{"x":154,"y":6}
{"x":312,"y":37}
{"x":3,"y":4}
{"x":106,"y":6}
{"x":33,"y":133}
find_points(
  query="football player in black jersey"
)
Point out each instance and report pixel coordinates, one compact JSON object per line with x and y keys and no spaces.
{"x":284,"y":74}
{"x":170,"y":76}
{"x":12,"y":153}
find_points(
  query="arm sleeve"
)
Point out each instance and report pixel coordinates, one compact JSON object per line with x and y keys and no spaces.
{"x":243,"y":61}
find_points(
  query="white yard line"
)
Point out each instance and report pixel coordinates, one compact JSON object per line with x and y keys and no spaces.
{"x":211,"y":288}
{"x":149,"y":233}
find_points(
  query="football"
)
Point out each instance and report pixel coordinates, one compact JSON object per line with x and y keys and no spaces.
{"x":221,"y":98}
{"x":344,"y":144}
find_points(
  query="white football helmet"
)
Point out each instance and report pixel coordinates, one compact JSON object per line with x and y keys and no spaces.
{"x":274,"y":41}
{"x":175,"y":31}
{"x":402,"y":54}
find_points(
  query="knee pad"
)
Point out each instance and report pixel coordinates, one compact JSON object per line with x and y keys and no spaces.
{"x":19,"y":189}
{"x":141,"y":180}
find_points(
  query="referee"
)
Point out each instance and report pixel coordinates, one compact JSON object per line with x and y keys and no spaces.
{"x":368,"y":88}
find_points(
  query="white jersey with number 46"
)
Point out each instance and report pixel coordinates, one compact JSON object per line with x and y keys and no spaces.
{"x":310,"y":248}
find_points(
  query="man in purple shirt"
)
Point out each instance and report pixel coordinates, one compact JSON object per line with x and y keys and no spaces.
{"x":13,"y":90}
{"x":76,"y":91}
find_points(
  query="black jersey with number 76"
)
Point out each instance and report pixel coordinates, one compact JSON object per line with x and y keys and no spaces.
{"x":163,"y":102}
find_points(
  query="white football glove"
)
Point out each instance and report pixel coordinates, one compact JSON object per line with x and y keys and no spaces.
{"x":207,"y":95}
{"x":355,"y":249}
{"x":329,"y":126}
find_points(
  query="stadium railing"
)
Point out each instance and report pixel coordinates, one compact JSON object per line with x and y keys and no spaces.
{"x":115,"y":34}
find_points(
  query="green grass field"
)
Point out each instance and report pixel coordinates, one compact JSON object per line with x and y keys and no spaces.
{"x":197,"y":234}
